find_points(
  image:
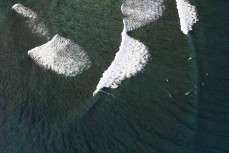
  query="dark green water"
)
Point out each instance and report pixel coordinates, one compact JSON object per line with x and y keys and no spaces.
{"x":41,"y":111}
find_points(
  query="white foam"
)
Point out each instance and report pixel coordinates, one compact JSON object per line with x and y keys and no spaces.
{"x":62,"y":56}
{"x":24,"y":11}
{"x":187,"y":14}
{"x":37,"y":26}
{"x":129,"y":60}
{"x":141,"y":12}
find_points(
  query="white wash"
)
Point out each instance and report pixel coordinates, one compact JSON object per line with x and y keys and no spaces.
{"x":33,"y":21}
{"x":187,"y":14}
{"x":62,"y":56}
{"x":141,"y":12}
{"x":129,"y":60}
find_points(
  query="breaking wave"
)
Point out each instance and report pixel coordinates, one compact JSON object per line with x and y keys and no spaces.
{"x":37,"y":26}
{"x":139,"y":13}
{"x":133,"y":55}
{"x":187,"y":14}
{"x":129,"y":60}
{"x":62,"y":56}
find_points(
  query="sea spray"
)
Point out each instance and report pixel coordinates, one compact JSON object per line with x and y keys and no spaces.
{"x":131,"y":58}
{"x":62,"y":56}
{"x":139,"y":13}
{"x":187,"y":14}
{"x":35,"y":24}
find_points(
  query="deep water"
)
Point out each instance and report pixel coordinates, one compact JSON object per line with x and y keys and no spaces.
{"x":43,"y":112}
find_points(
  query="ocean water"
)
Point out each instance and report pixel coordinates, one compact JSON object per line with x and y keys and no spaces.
{"x":41,"y":111}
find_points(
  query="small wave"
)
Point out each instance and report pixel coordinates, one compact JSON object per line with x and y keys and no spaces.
{"x":129,"y":60}
{"x":139,"y":13}
{"x":187,"y":14}
{"x":62,"y":56}
{"x":37,"y":26}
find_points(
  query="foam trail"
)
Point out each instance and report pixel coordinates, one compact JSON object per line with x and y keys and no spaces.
{"x":62,"y":56}
{"x":141,"y":12}
{"x":129,"y":60}
{"x":33,"y":21}
{"x":187,"y":14}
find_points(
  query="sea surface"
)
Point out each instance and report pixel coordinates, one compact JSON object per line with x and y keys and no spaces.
{"x":174,"y":105}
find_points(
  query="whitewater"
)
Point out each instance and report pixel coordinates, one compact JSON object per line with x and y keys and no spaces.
{"x":133,"y":55}
{"x":61,"y":55}
{"x":34,"y":22}
{"x":187,"y":14}
{"x":131,"y":58}
{"x":139,"y":13}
